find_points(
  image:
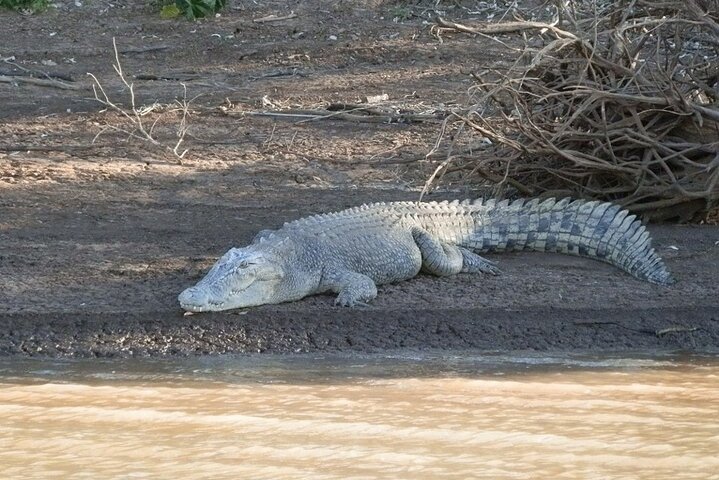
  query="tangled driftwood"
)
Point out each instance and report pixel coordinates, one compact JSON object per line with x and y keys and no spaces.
{"x":622,"y":105}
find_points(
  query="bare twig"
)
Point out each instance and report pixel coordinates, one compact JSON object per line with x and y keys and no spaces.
{"x":134,"y":114}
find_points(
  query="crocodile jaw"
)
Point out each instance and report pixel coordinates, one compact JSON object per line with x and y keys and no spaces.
{"x":241,"y":278}
{"x":202,"y":299}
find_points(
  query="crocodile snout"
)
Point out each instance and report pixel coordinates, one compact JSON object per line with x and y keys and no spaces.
{"x":193,"y":299}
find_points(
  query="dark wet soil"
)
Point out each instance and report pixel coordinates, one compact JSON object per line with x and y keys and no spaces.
{"x":103,"y":279}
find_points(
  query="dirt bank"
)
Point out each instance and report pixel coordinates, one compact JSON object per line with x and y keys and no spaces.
{"x":97,"y":239}
{"x":101,"y":278}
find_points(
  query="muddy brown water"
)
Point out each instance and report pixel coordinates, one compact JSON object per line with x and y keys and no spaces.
{"x":362,"y":417}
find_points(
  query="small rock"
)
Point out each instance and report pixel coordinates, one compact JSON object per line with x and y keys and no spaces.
{"x":376,"y":98}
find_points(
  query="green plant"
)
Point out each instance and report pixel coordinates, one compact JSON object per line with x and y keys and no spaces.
{"x":33,"y":5}
{"x":193,"y":9}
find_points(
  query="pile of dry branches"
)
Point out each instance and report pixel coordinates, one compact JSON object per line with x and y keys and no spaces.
{"x":620,"y":103}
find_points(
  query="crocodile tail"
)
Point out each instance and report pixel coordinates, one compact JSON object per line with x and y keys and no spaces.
{"x":599,"y":230}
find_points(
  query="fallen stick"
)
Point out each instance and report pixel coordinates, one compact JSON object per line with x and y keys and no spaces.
{"x":503,"y":27}
{"x":435,"y":155}
{"x":313,"y":115}
{"x":50,"y":148}
{"x":675,"y":329}
{"x":41,"y":82}
{"x":36,"y":74}
{"x":274,"y":18}
{"x":281,"y":73}
{"x":707,"y":111}
{"x":178,"y":77}
{"x":154,"y":48}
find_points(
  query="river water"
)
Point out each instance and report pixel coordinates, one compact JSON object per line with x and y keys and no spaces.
{"x":362,"y":417}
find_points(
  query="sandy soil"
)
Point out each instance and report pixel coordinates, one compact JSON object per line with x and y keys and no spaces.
{"x":97,"y":239}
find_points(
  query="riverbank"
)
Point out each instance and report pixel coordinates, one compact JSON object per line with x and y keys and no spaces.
{"x":100,"y":231}
{"x":100,"y":278}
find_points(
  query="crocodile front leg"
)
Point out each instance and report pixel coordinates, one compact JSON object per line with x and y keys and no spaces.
{"x":353,"y":288}
{"x":444,"y":259}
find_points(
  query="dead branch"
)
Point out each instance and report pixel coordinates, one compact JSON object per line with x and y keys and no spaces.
{"x":436,"y":154}
{"x":50,"y":148}
{"x":134,"y":115}
{"x":619,"y":106}
{"x":503,"y":27}
{"x":41,"y":82}
{"x":369,"y":116}
{"x":274,"y":18}
{"x":151,"y":48}
{"x":675,"y":329}
{"x":29,"y":72}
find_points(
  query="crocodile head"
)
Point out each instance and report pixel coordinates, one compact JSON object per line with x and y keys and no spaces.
{"x":242,"y":277}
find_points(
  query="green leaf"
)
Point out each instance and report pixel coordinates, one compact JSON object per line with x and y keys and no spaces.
{"x":194,"y":9}
{"x":29,"y":5}
{"x":170,"y":11}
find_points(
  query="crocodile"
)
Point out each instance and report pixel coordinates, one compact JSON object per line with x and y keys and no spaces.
{"x":352,"y":251}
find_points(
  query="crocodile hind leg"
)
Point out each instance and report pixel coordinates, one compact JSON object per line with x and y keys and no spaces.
{"x":473,"y":263}
{"x":437,"y":258}
{"x":353,"y":288}
{"x":442,"y":259}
